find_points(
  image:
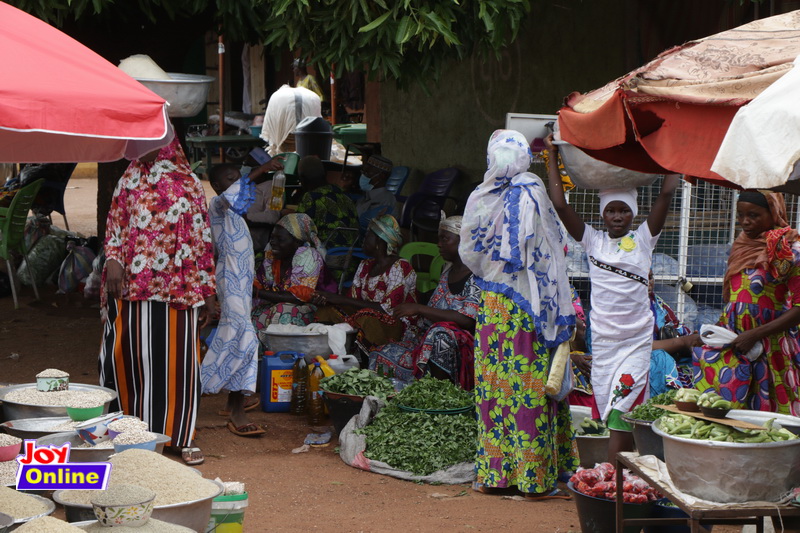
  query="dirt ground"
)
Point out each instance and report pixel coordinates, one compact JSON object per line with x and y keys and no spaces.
{"x":288,"y":492}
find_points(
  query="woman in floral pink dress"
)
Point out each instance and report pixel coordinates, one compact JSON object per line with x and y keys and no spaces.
{"x":158,"y":286}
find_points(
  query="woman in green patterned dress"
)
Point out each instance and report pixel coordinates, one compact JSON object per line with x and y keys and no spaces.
{"x":511,"y":240}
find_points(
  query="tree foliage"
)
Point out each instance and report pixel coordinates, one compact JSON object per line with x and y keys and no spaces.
{"x":404,"y":40}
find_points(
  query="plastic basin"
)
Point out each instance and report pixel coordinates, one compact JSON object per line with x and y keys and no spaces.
{"x":597,"y":515}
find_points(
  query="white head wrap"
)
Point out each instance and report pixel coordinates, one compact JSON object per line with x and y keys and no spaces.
{"x":626,"y":196}
{"x":451,"y":224}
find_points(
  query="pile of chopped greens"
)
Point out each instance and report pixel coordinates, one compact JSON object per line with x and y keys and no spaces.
{"x":435,"y":394}
{"x":647,"y":412}
{"x":358,"y":382}
{"x":419,"y":442}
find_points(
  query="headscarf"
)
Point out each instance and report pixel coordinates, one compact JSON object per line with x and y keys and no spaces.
{"x":388,"y":230}
{"x":301,"y":227}
{"x":772,"y":250}
{"x":512,"y":242}
{"x":626,"y":196}
{"x":451,"y":224}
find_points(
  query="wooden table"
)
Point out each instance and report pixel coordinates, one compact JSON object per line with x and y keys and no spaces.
{"x":697,"y":514}
{"x":213,"y":143}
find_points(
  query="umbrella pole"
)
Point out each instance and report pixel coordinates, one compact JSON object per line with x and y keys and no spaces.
{"x":333,"y":95}
{"x":221,"y":72}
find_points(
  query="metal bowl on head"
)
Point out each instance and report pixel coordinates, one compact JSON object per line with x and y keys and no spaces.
{"x":731,"y":472}
{"x":16,"y":411}
{"x":590,"y":173}
{"x":186,"y":93}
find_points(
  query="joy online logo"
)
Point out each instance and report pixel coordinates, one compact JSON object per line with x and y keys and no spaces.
{"x":47,"y":468}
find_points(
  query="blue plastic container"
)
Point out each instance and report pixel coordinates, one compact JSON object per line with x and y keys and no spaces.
{"x":276,"y":381}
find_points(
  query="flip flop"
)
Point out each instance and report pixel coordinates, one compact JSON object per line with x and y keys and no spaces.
{"x":483,"y":489}
{"x":556,"y":494}
{"x":247,"y":430}
{"x":248,"y":407}
{"x":192,"y":456}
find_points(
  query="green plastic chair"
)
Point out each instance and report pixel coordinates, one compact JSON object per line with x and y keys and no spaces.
{"x":427,"y":280}
{"x":12,"y":228}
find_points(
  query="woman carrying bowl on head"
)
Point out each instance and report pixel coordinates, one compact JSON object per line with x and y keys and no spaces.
{"x":292,"y":270}
{"x":762,"y":289}
{"x":444,"y":349}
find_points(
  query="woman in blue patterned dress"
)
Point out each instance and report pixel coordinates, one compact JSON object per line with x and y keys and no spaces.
{"x":512,"y":242}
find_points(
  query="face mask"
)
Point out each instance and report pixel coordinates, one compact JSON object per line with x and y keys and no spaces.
{"x":364,"y":183}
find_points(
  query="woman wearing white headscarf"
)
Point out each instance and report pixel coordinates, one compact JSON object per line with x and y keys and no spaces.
{"x":445,"y":343}
{"x":621,"y":321}
{"x":512,"y":242}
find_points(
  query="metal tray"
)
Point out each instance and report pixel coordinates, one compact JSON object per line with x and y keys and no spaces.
{"x":33,"y":428}
{"x":16,"y":411}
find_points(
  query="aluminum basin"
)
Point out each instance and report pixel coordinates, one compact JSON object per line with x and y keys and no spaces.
{"x":647,"y":442}
{"x":193,"y":514}
{"x":50,"y":508}
{"x":590,"y":173}
{"x":311,"y":344}
{"x":33,"y":428}
{"x":89,"y":455}
{"x":729,"y":472}
{"x":186,"y":93}
{"x":16,"y":411}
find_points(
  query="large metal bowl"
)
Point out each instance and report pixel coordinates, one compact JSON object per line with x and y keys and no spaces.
{"x":186,"y":93}
{"x":89,"y":455}
{"x":792,"y":423}
{"x":50,"y":508}
{"x":193,"y":514}
{"x":33,"y":428}
{"x":16,"y":411}
{"x":592,"y":449}
{"x":729,"y":472}
{"x":647,"y":442}
{"x":590,"y":173}
{"x":311,"y":344}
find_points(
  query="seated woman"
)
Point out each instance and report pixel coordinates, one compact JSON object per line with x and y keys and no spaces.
{"x":381,"y":283}
{"x":292,"y":270}
{"x":445,"y":350}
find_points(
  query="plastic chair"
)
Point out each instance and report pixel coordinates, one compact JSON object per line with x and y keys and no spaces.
{"x":12,"y":229}
{"x":426,"y":280}
{"x":429,"y":199}
{"x":51,"y":196}
{"x":397,"y":179}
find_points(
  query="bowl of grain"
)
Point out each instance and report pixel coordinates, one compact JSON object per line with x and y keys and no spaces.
{"x":24,"y":401}
{"x":82,"y":452}
{"x":6,"y":521}
{"x":9,"y":447}
{"x":52,"y":380}
{"x":123,"y":505}
{"x":81,"y":414}
{"x":47,"y":524}
{"x":24,"y":507}
{"x":95,"y":430}
{"x":126,"y":423}
{"x":143,"y":440}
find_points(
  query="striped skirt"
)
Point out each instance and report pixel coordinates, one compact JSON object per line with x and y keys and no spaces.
{"x":150,"y":356}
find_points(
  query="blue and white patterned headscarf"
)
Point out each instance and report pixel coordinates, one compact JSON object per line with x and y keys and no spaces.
{"x":512,"y":240}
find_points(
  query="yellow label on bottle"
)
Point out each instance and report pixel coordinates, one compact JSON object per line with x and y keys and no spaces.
{"x":281,"y":390}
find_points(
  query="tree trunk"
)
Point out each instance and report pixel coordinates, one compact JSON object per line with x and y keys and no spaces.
{"x":108,"y":174}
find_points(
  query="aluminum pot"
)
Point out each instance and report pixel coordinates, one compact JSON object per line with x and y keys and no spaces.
{"x":186,"y":93}
{"x":16,"y":411}
{"x":590,"y":173}
{"x":193,"y":514}
{"x":89,"y":455}
{"x":647,"y":442}
{"x":730,"y":472}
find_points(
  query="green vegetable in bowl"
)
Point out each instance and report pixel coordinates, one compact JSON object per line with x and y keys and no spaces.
{"x":648,"y":412}
{"x":691,"y":428}
{"x":435,"y":394}
{"x":419,"y":442}
{"x":358,"y":382}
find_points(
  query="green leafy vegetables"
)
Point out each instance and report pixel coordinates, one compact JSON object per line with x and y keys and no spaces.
{"x":647,"y":412}
{"x":358,"y":383}
{"x":419,"y":442}
{"x":432,"y":393}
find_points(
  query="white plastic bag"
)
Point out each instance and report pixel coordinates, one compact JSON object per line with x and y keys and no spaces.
{"x":719,"y":337}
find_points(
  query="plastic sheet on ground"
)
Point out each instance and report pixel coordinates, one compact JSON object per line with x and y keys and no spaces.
{"x":352,"y":447}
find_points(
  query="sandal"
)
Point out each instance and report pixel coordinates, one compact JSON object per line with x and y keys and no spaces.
{"x":483,"y":489}
{"x":247,"y":430}
{"x":247,"y":407}
{"x":556,"y":494}
{"x":192,"y":456}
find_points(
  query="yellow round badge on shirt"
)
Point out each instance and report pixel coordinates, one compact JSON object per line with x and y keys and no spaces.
{"x":627,"y":244}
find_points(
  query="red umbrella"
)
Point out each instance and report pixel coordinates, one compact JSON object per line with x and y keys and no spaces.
{"x":61,"y":102}
{"x":671,"y":115}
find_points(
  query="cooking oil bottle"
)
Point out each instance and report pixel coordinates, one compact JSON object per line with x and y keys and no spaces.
{"x":278,"y":188}
{"x":299,"y":381}
{"x":316,"y":406}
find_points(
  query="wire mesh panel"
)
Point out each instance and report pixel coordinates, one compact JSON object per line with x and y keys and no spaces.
{"x":690,"y":259}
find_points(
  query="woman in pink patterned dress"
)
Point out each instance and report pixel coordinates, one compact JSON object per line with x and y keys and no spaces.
{"x":158,"y":284}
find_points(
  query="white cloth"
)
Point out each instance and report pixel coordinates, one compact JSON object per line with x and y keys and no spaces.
{"x":762,"y":144}
{"x":626,"y":196}
{"x":512,"y":241}
{"x":621,"y":321}
{"x":337,"y":333}
{"x":231,"y":362}
{"x":719,"y":337}
{"x":286,"y":108}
